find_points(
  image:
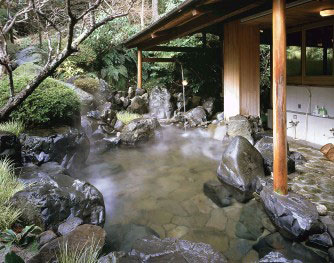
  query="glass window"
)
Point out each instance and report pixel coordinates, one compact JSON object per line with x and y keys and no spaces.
{"x":319,"y":51}
{"x":294,"y":54}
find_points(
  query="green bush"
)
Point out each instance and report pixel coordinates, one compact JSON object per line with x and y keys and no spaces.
{"x":89,"y":85}
{"x":52,"y":103}
{"x":9,"y":185}
{"x":15,"y":127}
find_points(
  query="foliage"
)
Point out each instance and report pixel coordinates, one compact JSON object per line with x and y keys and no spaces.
{"x":9,"y":185}
{"x":22,"y":239}
{"x":11,"y":257}
{"x":50,"y":104}
{"x":88,"y":254}
{"x":127,"y":117}
{"x":68,"y":69}
{"x":89,"y":85}
{"x":265,"y":77}
{"x":15,"y":127}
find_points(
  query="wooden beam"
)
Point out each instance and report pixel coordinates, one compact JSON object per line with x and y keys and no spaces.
{"x":182,"y":49}
{"x":196,"y":25}
{"x":140,"y":69}
{"x":279,"y":97}
{"x":168,"y":60}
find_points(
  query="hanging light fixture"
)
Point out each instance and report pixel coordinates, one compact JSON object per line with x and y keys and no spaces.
{"x":327,"y":12}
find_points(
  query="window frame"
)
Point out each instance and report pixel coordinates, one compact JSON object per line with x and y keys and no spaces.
{"x":304,"y":79}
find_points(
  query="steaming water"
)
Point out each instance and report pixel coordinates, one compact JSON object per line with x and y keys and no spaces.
{"x":160,"y":185}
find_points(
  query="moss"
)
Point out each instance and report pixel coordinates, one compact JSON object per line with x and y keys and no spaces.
{"x":89,"y":85}
{"x":50,"y":104}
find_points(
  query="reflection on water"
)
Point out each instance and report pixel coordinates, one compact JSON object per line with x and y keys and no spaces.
{"x":160,"y":185}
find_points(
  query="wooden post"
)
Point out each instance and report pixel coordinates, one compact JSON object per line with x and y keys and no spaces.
{"x":279,"y":98}
{"x":140,"y":69}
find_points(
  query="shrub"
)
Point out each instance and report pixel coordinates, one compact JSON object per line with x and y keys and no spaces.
{"x":89,"y":85}
{"x":9,"y":185}
{"x":50,"y":104}
{"x":15,"y":127}
{"x":89,"y":254}
{"x":127,"y":117}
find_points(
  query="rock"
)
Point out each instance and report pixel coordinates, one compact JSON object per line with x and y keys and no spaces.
{"x":131,"y":92}
{"x":51,"y":197}
{"x":83,"y":237}
{"x":240,"y":169}
{"x":106,"y":144}
{"x":217,"y":193}
{"x":86,"y":99}
{"x":298,"y":158}
{"x":119,"y":125}
{"x":331,"y":254}
{"x":240,"y":126}
{"x":277,"y":257}
{"x":88,"y":126}
{"x":180,"y":103}
{"x":139,"y":130}
{"x":196,"y":116}
{"x":209,"y":104}
{"x":250,"y":225}
{"x":46,"y":237}
{"x":174,"y":250}
{"x":69,"y":225}
{"x":10,"y":147}
{"x":220,"y":116}
{"x":322,"y":209}
{"x":105,"y":90}
{"x":195,"y":100}
{"x":95,"y":114}
{"x":160,"y":104}
{"x":140,"y":92}
{"x":66,"y":146}
{"x":31,"y":54}
{"x":122,"y":237}
{"x":138,"y":105}
{"x":294,"y":216}
{"x":265,"y":147}
{"x":289,"y":249}
{"x":323,"y":241}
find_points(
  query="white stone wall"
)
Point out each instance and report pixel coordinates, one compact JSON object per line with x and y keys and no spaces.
{"x":298,"y":99}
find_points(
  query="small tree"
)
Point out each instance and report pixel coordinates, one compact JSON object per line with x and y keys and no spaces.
{"x":72,"y":21}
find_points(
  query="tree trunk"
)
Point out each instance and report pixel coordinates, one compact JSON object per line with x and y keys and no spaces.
{"x":155,"y":11}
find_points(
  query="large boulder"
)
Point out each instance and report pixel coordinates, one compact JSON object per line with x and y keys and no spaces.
{"x":290,"y":251}
{"x":87,"y":100}
{"x":122,"y":237}
{"x":240,"y":126}
{"x":217,"y":193}
{"x":160,"y":104}
{"x":81,"y":239}
{"x":294,"y":216}
{"x":10,"y":147}
{"x":196,"y":116}
{"x":51,"y":196}
{"x":153,"y":249}
{"x":241,"y":169}
{"x":138,"y":105}
{"x":66,"y":146}
{"x":209,"y":104}
{"x":265,"y":147}
{"x":139,"y":130}
{"x":31,"y":54}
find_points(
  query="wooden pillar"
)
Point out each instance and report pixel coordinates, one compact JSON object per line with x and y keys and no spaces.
{"x":140,"y":69}
{"x":279,"y":97}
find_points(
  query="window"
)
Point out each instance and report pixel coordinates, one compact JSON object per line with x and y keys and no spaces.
{"x":294,"y":54}
{"x":319,"y":51}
